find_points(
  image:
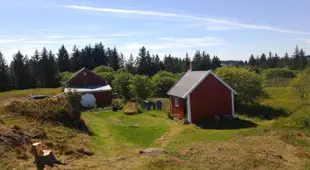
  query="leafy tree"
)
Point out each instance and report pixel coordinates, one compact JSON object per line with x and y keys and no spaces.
{"x":63,"y":59}
{"x":141,"y":87}
{"x":4,"y":74}
{"x":163,"y":81}
{"x":302,"y":84}
{"x":247,"y":84}
{"x":121,"y":85}
{"x":64,"y":76}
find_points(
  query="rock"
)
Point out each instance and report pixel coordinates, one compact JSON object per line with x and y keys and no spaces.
{"x":162,"y":138}
{"x":85,"y":152}
{"x":153,"y":151}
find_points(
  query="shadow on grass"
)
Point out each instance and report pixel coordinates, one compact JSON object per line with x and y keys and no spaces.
{"x":226,"y":124}
{"x":261,"y":111}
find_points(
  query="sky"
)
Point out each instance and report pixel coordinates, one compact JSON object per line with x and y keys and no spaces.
{"x":230,"y":29}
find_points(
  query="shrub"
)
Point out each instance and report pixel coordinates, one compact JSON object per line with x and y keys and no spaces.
{"x":274,"y":73}
{"x":163,"y":81}
{"x":302,"y":84}
{"x":103,"y":69}
{"x":141,"y":87}
{"x":121,"y":85}
{"x":64,"y":76}
{"x":117,"y":104}
{"x":247,"y":84}
{"x":108,"y":76}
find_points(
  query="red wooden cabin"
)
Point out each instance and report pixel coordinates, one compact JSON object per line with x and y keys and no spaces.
{"x":86,"y":81}
{"x":199,"y":95}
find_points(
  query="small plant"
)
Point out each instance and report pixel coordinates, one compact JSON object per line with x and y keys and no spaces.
{"x":169,"y":114}
{"x":117,"y":104}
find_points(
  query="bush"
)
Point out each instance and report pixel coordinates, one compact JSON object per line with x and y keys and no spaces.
{"x":302,"y":84}
{"x":103,"y":69}
{"x":121,"y":85}
{"x":247,"y":84}
{"x":108,"y":76}
{"x":163,"y":81}
{"x":117,"y":104}
{"x":141,"y":87}
{"x":274,"y":73}
{"x":64,"y":76}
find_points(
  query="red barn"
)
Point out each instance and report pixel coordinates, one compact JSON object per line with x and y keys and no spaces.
{"x":199,"y":95}
{"x":86,"y":81}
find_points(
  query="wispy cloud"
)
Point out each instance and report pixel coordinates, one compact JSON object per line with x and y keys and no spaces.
{"x":187,"y":17}
{"x":11,"y":40}
{"x":122,"y":35}
{"x":178,"y":43}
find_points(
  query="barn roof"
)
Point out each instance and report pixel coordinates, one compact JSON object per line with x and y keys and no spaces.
{"x":78,"y":74}
{"x":190,"y":81}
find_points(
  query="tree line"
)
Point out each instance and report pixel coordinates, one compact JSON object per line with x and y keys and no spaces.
{"x":43,"y":68}
{"x":297,"y":61}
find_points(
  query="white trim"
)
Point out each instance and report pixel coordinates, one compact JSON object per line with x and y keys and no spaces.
{"x":205,"y":76}
{"x":88,"y":90}
{"x":189,"y":110}
{"x":233,"y":104}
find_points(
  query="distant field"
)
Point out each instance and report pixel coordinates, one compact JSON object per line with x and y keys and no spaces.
{"x":117,"y":138}
{"x":7,"y":97}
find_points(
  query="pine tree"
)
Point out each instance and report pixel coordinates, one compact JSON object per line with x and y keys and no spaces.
{"x":4,"y":74}
{"x":87,"y":57}
{"x":75,"y":59}
{"x":205,"y":62}
{"x":276,"y":61}
{"x":296,"y":59}
{"x":130,"y":65}
{"x":51,"y":72}
{"x":286,"y":60}
{"x":252,"y":61}
{"x":20,"y":72}
{"x":44,"y":64}
{"x":197,"y":59}
{"x":63,"y":59}
{"x":187,"y":61}
{"x":144,"y":62}
{"x":216,"y":62}
{"x":99,"y":54}
{"x":263,"y":61}
{"x":302,"y":59}
{"x":115,"y":59}
{"x":34,"y":66}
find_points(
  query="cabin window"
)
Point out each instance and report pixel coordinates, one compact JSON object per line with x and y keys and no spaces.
{"x":176,"y":102}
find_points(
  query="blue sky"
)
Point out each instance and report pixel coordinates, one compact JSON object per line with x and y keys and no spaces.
{"x":227,"y":28}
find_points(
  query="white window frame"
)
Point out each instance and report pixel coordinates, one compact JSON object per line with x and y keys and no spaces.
{"x":176,"y":102}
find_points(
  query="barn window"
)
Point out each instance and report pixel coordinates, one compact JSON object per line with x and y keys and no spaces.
{"x":176,"y":102}
{"x":85,"y":73}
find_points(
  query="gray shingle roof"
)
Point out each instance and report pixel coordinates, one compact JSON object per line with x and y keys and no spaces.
{"x":187,"y":82}
{"x":190,"y":81}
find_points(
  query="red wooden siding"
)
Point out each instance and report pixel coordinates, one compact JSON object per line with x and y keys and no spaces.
{"x":103,"y":98}
{"x":209,"y":98}
{"x":178,"y":111}
{"x":89,"y":79}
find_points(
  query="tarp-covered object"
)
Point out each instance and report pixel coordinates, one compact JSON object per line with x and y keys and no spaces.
{"x":88,"y":100}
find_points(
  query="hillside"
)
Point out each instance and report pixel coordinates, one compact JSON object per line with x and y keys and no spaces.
{"x":263,"y":137}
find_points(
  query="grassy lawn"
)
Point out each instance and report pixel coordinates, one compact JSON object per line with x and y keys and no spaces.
{"x":277,"y":143}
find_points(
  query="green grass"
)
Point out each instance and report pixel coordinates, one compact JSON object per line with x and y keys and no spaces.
{"x":118,"y":129}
